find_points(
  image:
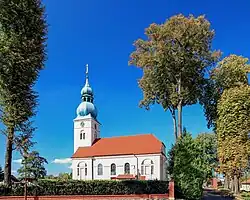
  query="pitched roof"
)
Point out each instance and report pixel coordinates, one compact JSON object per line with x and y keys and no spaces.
{"x":246,"y":182}
{"x":124,"y":145}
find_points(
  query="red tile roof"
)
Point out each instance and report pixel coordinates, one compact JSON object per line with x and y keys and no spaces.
{"x":124,"y":145}
{"x":246,"y":182}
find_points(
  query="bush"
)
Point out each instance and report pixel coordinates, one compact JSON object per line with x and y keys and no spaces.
{"x":73,"y":187}
{"x":187,"y":168}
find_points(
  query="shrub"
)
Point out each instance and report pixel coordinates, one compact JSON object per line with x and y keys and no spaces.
{"x":186,"y":165}
{"x":73,"y":187}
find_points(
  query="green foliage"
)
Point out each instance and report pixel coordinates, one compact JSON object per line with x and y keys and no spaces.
{"x":1,"y":174}
{"x":190,"y":163}
{"x":230,"y":72}
{"x":233,"y":127}
{"x":33,"y":167}
{"x":207,"y":145}
{"x":245,"y":195}
{"x":65,"y":176}
{"x":174,"y":58}
{"x":22,"y":55}
{"x":56,"y":187}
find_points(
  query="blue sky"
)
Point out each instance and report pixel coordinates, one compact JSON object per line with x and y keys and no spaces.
{"x":101,"y":33}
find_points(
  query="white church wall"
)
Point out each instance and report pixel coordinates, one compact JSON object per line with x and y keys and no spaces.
{"x":135,"y":162}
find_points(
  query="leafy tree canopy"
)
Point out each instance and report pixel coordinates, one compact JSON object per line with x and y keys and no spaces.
{"x":174,"y":57}
{"x":230,"y":72}
{"x":33,"y":166}
{"x":23,"y":32}
{"x":233,"y":128}
{"x":1,"y":174}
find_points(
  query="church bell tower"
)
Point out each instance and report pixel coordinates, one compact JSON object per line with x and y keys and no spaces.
{"x":86,"y":126}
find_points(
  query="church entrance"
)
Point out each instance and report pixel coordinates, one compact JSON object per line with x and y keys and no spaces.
{"x":82,"y":174}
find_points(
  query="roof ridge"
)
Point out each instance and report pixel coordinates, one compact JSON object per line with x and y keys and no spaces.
{"x":124,"y":136}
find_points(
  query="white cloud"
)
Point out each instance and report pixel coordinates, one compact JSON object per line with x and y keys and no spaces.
{"x":70,"y":167}
{"x":19,"y":161}
{"x":62,"y":161}
{"x":13,"y":171}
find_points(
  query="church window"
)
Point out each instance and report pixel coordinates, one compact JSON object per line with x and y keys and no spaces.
{"x":86,"y":169}
{"x":126,"y":168}
{"x":147,"y":167}
{"x":113,"y":169}
{"x":82,"y":169}
{"x":82,"y":135}
{"x":100,"y":169}
{"x":95,"y":127}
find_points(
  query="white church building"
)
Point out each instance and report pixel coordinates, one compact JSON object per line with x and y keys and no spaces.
{"x":139,"y":156}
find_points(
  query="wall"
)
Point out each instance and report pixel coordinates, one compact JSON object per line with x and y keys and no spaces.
{"x":134,"y":161}
{"x":91,"y":197}
{"x":245,"y":187}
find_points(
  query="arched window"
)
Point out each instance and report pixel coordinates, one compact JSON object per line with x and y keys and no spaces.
{"x":82,"y":169}
{"x":99,"y":169}
{"x":147,"y":167}
{"x":82,"y":135}
{"x":95,"y":127}
{"x":126,"y":168}
{"x":113,"y":169}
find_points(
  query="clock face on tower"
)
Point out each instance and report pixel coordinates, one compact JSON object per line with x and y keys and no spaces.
{"x":82,"y":124}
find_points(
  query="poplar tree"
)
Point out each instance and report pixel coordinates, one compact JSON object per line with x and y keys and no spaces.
{"x":233,"y":128}
{"x":229,"y":72}
{"x":174,"y":57}
{"x":22,"y":54}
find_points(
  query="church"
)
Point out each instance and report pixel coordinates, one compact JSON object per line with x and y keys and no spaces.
{"x":140,"y":157}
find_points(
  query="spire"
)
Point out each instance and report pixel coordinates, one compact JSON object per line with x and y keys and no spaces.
{"x":87,"y":75}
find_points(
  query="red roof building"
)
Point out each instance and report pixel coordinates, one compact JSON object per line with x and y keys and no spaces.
{"x":117,"y":158}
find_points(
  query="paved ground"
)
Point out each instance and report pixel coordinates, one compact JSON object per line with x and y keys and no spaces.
{"x":213,"y":195}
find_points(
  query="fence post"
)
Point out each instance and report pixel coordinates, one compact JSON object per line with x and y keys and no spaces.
{"x":171,"y":190}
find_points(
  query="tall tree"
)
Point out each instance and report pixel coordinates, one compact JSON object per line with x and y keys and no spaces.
{"x":233,"y":128}
{"x":230,"y":72}
{"x":174,"y":58}
{"x":33,"y":166}
{"x":22,"y":55}
{"x":1,"y":174}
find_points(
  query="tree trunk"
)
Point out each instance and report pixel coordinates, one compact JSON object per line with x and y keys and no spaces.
{"x":236,"y":184}
{"x":226,"y":184}
{"x":179,"y":108}
{"x":180,"y":119}
{"x":174,"y":122}
{"x":8,"y":156}
{"x":175,"y":128}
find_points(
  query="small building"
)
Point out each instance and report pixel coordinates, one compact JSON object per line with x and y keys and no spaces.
{"x":245,"y":185}
{"x":139,"y":156}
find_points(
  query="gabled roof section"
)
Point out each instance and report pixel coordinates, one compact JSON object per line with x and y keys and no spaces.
{"x":124,"y":145}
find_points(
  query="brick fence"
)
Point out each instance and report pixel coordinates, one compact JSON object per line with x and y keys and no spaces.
{"x":91,"y":197}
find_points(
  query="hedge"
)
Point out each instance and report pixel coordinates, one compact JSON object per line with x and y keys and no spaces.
{"x":72,"y":187}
